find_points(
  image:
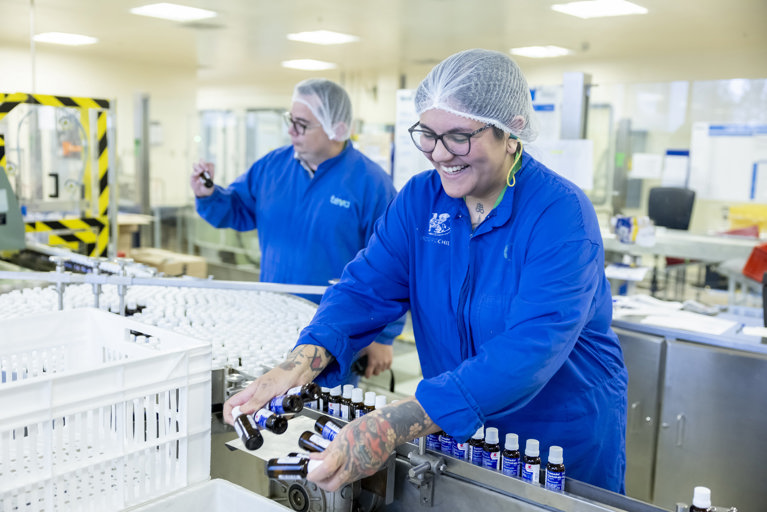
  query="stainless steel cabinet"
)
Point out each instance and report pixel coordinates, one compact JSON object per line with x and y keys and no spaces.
{"x":713,"y":427}
{"x":697,"y":416}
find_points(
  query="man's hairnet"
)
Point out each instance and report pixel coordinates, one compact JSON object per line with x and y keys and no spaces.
{"x":329,"y":103}
{"x":484,"y":85}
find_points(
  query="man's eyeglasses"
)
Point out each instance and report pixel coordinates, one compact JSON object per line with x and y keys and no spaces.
{"x":299,"y":126}
{"x":457,"y":143}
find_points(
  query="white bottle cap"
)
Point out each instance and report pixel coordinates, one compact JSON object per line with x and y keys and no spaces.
{"x":555,"y":455}
{"x":532,"y":448}
{"x":380,"y":401}
{"x":370,"y":398}
{"x":512,"y":442}
{"x":480,"y":433}
{"x":347,"y":392}
{"x":336,"y":391}
{"x":356,"y":395}
{"x":701,"y":497}
{"x":236,"y":412}
{"x":491,"y":435}
{"x":348,"y":387}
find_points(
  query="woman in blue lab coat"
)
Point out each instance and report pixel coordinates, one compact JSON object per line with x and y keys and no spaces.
{"x":501,"y":262}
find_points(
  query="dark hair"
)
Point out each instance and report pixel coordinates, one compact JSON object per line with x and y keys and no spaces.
{"x":499,"y":134}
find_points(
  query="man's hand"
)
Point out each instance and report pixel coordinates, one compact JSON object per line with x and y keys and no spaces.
{"x":379,"y":358}
{"x":202,"y":178}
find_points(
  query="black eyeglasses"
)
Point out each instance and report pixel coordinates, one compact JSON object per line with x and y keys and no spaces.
{"x":457,"y":143}
{"x":299,"y":126}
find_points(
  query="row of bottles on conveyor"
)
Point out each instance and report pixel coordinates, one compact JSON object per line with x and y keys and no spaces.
{"x":297,"y":465}
{"x":484,"y":450}
{"x":351,"y":405}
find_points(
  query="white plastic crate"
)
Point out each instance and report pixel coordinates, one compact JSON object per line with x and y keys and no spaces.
{"x":90,"y":419}
{"x":212,"y":496}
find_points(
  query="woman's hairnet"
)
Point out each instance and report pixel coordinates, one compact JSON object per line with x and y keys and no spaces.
{"x":329,"y":103}
{"x":484,"y":85}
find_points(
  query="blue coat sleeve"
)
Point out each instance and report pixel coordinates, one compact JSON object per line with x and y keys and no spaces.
{"x":372,"y":292}
{"x":382,"y":200}
{"x":234,"y":206}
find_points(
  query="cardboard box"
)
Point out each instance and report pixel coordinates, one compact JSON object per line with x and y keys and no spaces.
{"x":127,"y":225}
{"x":171,"y":263}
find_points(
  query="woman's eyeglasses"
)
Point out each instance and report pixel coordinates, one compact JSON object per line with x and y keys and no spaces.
{"x":457,"y":143}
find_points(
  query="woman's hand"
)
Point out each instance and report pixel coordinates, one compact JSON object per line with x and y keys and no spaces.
{"x":302,"y":365}
{"x":364,"y":445}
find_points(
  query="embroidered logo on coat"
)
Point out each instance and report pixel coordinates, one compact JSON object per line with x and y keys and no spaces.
{"x":438,"y":224}
{"x":340,"y":202}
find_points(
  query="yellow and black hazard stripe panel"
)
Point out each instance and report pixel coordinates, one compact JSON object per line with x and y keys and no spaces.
{"x":66,"y":101}
{"x":92,"y":232}
{"x":10,"y":101}
{"x":88,"y":232}
{"x":103,"y":164}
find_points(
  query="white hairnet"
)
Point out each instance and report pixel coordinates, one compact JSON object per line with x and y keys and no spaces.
{"x":484,"y":85}
{"x":329,"y":103}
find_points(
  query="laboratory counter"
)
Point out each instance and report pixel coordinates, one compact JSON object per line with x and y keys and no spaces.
{"x":683,"y":244}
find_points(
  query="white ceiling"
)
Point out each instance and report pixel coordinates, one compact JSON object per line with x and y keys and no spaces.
{"x":246,"y":42}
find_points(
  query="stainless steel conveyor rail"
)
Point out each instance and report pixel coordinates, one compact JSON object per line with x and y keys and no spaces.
{"x":122,"y":280}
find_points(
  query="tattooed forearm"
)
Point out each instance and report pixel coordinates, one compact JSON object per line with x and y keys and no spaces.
{"x":312,"y":358}
{"x":408,"y":420}
{"x":369,"y":441}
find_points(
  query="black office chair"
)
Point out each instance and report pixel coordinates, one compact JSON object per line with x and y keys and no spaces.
{"x":671,"y":207}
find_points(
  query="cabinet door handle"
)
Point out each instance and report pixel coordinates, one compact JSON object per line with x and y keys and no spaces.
{"x":635,"y":418}
{"x":681,"y":422}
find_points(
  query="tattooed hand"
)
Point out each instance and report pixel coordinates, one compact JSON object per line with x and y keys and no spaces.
{"x":364,"y":445}
{"x":301,"y":366}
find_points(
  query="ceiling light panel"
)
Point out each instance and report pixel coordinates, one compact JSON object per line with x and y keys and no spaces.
{"x":599,"y":8}
{"x":540,"y":52}
{"x":64,"y":38}
{"x":324,"y":37}
{"x":173,"y":12}
{"x":308,"y":64}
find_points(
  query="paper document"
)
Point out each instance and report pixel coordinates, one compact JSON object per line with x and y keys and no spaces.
{"x":624,"y":273}
{"x":755,"y":331}
{"x":690,"y":322}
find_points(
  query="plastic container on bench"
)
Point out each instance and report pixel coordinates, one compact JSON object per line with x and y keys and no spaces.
{"x":98,"y":412}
